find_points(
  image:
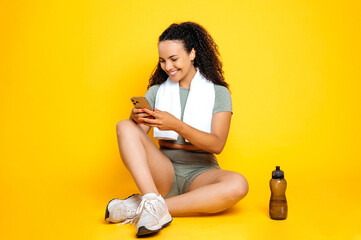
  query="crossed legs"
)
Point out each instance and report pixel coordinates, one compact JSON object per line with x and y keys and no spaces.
{"x":211,"y":192}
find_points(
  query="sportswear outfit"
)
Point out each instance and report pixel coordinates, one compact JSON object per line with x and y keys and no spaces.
{"x":190,"y":164}
{"x":150,"y":211}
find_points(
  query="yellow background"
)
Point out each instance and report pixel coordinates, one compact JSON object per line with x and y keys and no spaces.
{"x":69,"y":68}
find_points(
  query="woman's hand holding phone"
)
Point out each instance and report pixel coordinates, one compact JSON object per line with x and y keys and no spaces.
{"x":137,"y":112}
{"x":142,"y":114}
{"x":162,"y":120}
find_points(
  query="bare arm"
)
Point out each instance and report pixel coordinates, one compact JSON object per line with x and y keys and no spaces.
{"x":211,"y":142}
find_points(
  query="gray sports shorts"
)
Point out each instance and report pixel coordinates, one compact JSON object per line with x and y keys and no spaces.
{"x":187,"y":166}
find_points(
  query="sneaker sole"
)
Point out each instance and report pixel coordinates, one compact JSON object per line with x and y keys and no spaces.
{"x":107,"y":211}
{"x":165,"y":221}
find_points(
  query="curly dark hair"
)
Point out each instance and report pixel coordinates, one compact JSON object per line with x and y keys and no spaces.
{"x":207,"y":57}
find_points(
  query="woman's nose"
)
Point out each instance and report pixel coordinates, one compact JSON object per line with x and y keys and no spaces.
{"x":168,"y":66}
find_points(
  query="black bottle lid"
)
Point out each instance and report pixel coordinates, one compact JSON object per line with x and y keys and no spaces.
{"x":278,"y":174}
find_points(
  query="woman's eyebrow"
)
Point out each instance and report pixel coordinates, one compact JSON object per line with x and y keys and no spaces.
{"x":169,"y":56}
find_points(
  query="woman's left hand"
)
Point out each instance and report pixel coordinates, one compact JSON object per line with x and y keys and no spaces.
{"x":162,"y":120}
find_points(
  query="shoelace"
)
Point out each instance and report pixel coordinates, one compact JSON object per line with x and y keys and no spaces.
{"x":147,"y":205}
{"x":129,"y":219}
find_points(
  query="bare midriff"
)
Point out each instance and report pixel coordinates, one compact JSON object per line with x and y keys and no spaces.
{"x":177,"y":146}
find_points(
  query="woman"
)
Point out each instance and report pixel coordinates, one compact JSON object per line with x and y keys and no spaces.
{"x":191,"y":119}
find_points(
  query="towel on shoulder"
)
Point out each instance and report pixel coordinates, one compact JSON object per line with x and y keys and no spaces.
{"x":199,"y":107}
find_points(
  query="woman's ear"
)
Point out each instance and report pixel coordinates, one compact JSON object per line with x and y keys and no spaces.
{"x":192,"y":54}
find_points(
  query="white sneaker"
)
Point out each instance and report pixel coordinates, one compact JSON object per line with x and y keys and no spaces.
{"x":153,"y":214}
{"x":123,"y":211}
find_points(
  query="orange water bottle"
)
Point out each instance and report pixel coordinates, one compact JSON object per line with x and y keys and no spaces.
{"x":278,"y":203}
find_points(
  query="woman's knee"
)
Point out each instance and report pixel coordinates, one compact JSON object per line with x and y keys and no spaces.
{"x":236,"y":187}
{"x":125,"y":126}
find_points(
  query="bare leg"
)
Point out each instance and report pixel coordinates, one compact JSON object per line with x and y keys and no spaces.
{"x":151,"y":170}
{"x":211,"y":192}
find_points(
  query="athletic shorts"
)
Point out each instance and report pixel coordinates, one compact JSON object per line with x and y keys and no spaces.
{"x":187,"y":166}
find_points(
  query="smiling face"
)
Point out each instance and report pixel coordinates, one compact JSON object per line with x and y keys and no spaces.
{"x":176,"y":62}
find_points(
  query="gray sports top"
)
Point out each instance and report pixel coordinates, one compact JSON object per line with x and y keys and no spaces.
{"x":222,"y":103}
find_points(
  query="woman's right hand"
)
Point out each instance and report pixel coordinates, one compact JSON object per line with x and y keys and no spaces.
{"x":138,"y":113}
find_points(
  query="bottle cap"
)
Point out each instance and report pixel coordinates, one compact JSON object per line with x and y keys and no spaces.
{"x":278,"y":174}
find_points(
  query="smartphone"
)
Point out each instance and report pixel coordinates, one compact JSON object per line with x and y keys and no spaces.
{"x":141,"y":102}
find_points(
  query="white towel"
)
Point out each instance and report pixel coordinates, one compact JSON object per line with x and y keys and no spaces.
{"x":198,"y":111}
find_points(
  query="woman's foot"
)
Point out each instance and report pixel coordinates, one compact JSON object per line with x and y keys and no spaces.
{"x":123,"y":211}
{"x":153,"y":214}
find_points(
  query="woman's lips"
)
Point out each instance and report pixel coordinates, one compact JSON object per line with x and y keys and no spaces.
{"x":173,"y":73}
